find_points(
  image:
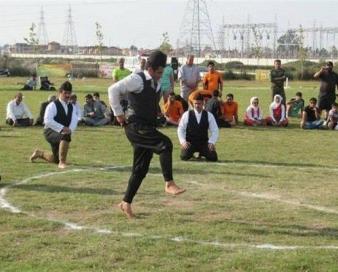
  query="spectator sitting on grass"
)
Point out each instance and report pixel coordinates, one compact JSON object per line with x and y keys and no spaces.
{"x":18,"y":114}
{"x":230,"y":110}
{"x":173,"y":110}
{"x":311,"y":116}
{"x":76,"y":107}
{"x":295,"y":106}
{"x":193,"y":132}
{"x":214,"y":106}
{"x":43,"y":106}
{"x":332,"y":119}
{"x":277,"y":116}
{"x":94,"y":112}
{"x":30,"y":83}
{"x":96,"y":97}
{"x":46,"y":85}
{"x":254,"y":114}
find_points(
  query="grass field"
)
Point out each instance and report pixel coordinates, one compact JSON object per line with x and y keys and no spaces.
{"x":269,"y":204}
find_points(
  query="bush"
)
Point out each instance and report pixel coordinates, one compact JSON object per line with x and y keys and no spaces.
{"x":234,"y":65}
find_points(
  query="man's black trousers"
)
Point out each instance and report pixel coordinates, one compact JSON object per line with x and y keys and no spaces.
{"x":203,"y":150}
{"x":146,"y":140}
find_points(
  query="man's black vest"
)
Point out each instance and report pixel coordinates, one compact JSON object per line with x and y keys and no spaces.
{"x":143,"y":107}
{"x":61,"y":116}
{"x":197,"y":133}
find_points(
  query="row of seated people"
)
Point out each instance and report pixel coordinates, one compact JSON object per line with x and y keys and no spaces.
{"x":96,"y":113}
{"x":93,"y":113}
{"x":226,"y":112}
{"x":33,"y":82}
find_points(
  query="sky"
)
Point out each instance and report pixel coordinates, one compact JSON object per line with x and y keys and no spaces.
{"x":142,"y":22}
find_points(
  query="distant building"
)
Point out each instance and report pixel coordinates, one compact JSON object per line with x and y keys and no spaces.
{"x":54,"y":47}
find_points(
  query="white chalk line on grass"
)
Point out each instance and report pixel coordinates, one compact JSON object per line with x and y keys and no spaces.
{"x":263,"y":165}
{"x":275,"y":198}
{"x":76,"y":227}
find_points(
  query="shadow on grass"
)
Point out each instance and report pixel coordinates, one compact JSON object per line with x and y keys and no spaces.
{"x":295,"y":231}
{"x":259,"y":228}
{"x":272,"y":163}
{"x":63,"y":189}
{"x":176,"y":170}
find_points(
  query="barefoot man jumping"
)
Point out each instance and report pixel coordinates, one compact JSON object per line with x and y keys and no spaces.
{"x":143,"y":92}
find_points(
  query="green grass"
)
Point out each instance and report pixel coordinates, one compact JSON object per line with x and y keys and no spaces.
{"x":266,"y":189}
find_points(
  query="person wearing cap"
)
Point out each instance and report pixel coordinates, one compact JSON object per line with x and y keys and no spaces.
{"x":193,"y":132}
{"x":327,"y":92}
{"x":143,"y":92}
{"x":60,"y":123}
{"x":43,"y":106}
{"x":18,"y":114}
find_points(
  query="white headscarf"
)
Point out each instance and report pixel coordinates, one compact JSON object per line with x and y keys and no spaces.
{"x":276,"y":104}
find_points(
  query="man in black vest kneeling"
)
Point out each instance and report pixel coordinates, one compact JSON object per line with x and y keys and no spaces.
{"x":60,"y":122}
{"x":143,"y":91}
{"x":193,"y":132}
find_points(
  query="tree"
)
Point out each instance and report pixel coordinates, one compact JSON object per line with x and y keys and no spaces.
{"x":32,"y":39}
{"x":288,"y":44}
{"x":99,"y":37}
{"x":302,"y":54}
{"x":165,"y":46}
{"x":257,"y":48}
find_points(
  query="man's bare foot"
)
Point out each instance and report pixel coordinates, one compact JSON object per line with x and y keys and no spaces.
{"x":36,"y":154}
{"x":172,"y":189}
{"x":62,"y":165}
{"x":126,"y":209}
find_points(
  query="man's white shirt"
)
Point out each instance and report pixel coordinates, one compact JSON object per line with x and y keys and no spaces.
{"x":51,"y":112}
{"x":130,"y":84}
{"x":182,"y":127}
{"x":20,"y":111}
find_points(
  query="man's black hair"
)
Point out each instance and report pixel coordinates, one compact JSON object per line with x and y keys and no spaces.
{"x":230,"y":95}
{"x":156,"y":59}
{"x":313,"y":99}
{"x":299,"y":94}
{"x":278,"y":60}
{"x":199,"y":97}
{"x":89,"y":96}
{"x":66,"y":86}
{"x":96,"y":94}
{"x":215,"y":93}
{"x":211,"y":63}
{"x":330,"y":63}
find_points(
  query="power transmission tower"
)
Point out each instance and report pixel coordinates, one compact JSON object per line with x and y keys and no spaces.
{"x":196,"y":27}
{"x":42,"y":31}
{"x":69,"y":36}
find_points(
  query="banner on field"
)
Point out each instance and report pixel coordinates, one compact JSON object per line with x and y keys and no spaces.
{"x":262,"y":75}
{"x":106,"y":70}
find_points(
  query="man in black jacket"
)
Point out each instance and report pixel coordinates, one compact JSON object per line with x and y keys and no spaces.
{"x":143,"y":91}
{"x":193,"y":132}
{"x":60,"y":122}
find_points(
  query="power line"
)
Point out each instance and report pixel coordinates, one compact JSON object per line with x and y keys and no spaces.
{"x":42,"y":31}
{"x":69,"y":38}
{"x":196,"y":31}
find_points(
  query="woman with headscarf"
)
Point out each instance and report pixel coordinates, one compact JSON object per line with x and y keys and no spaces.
{"x":277,"y":113}
{"x":254,"y":114}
